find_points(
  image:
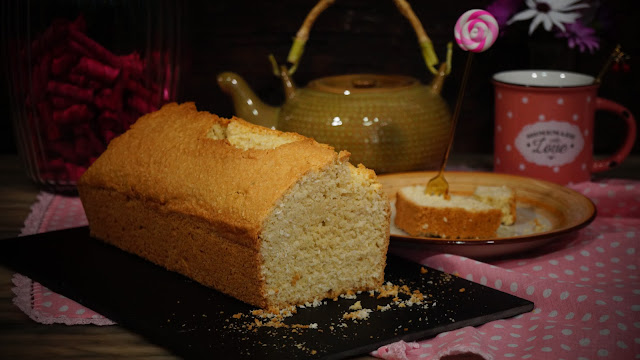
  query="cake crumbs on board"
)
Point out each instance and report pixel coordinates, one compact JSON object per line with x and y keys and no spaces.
{"x":400,"y":296}
{"x":397,"y":296}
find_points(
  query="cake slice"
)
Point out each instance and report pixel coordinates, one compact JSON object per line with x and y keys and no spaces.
{"x":460,"y":217}
{"x":501,"y":197}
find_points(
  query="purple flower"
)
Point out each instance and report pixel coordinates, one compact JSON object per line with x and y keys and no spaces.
{"x":568,"y":19}
{"x":584,"y":37}
{"x":549,"y":13}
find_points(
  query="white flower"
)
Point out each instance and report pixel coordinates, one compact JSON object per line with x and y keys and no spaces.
{"x":549,"y":13}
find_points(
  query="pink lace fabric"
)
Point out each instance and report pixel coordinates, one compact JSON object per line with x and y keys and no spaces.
{"x":50,"y":213}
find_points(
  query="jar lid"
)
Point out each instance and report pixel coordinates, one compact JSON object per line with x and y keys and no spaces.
{"x":362,"y":83}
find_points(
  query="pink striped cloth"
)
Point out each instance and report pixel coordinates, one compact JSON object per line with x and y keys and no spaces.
{"x":585,"y":287}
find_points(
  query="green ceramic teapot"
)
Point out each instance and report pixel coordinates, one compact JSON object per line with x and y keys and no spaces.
{"x":389,"y":123}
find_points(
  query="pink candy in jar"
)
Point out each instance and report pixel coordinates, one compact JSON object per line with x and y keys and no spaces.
{"x":78,"y":81}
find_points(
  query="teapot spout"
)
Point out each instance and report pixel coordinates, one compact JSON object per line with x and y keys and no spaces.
{"x":246,"y":103}
{"x":438,"y":80}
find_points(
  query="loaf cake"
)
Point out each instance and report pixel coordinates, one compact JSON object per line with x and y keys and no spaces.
{"x":271,"y":218}
{"x":459,"y":217}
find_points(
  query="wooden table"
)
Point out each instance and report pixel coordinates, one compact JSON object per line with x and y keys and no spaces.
{"x":22,"y":338}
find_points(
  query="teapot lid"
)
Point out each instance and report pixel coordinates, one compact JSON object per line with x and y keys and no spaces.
{"x":362,"y":83}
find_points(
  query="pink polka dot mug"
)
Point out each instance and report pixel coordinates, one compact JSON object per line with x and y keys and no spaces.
{"x":544,"y":125}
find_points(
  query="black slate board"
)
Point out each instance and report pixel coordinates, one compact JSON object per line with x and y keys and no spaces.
{"x":194,"y":321}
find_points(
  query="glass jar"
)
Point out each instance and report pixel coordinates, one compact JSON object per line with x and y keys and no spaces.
{"x":80,"y":73}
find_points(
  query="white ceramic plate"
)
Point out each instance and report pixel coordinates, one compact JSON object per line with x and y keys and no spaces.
{"x":544,"y":212}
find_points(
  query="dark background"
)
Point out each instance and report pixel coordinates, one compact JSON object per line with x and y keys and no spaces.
{"x":357,"y":36}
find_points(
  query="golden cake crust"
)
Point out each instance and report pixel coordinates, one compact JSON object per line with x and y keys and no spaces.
{"x":168,"y":159}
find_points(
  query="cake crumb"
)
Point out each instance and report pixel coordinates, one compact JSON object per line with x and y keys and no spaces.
{"x":356,"y":306}
{"x":362,"y":314}
{"x":349,"y":295}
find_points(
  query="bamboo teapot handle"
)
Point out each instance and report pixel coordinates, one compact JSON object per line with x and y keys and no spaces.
{"x":428,"y":52}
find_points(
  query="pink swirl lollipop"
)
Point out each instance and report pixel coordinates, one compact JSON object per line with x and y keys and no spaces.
{"x":476,"y":30}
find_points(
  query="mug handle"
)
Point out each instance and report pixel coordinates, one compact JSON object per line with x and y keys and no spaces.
{"x":625,"y":148}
